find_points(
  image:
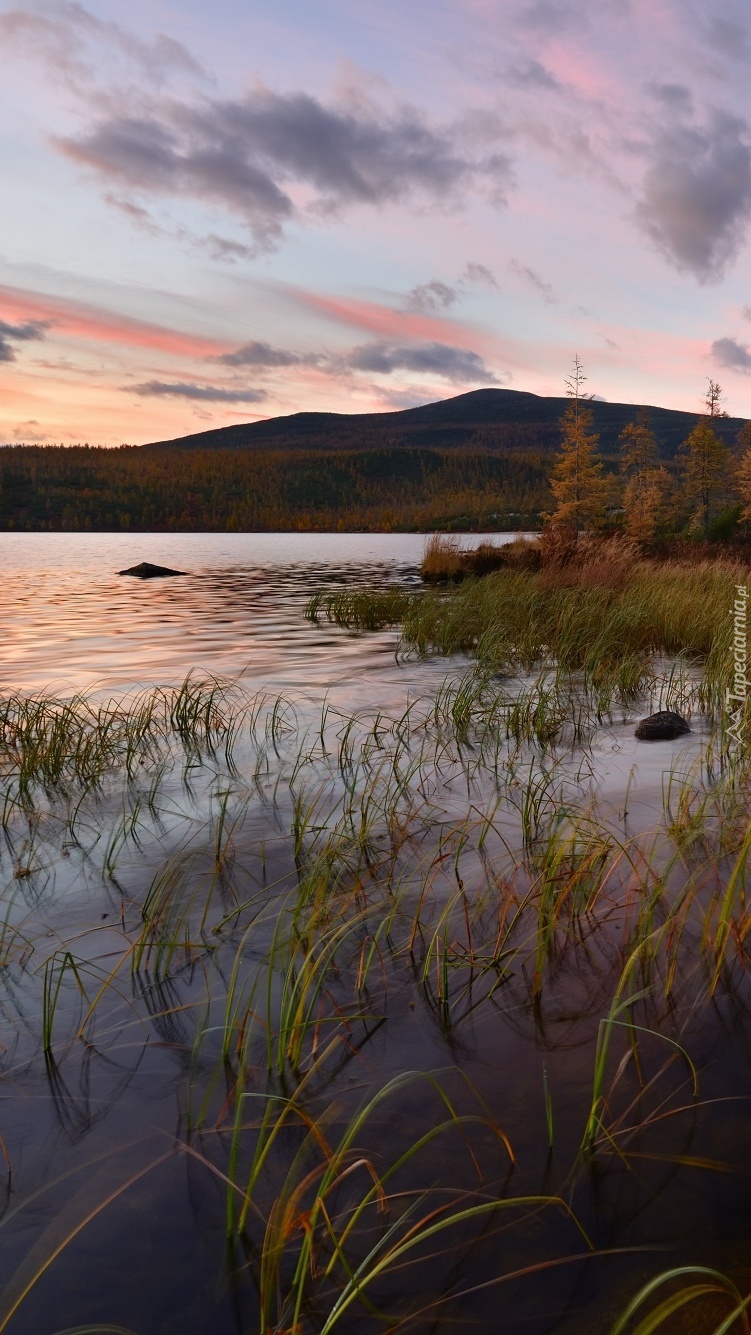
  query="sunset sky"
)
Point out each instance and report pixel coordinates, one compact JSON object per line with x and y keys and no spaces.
{"x":214,"y":213}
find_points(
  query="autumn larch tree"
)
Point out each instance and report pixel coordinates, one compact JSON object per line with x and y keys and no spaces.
{"x":743,"y":474}
{"x":576,"y":479}
{"x":707,"y":463}
{"x":645,"y":484}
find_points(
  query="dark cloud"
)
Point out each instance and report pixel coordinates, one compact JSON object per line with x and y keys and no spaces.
{"x":29,"y":432}
{"x":377,"y":358}
{"x":674,"y":96}
{"x":440,"y":359}
{"x":549,"y":16}
{"x":135,"y":213}
{"x":697,"y":194}
{"x":535,"y":76}
{"x":435,"y":296}
{"x":30,"y":329}
{"x":430,"y":297}
{"x":251,"y":155}
{"x":150,"y":156}
{"x":19,"y":333}
{"x":69,"y":38}
{"x":204,"y":393}
{"x":478,"y":273}
{"x":261,"y":355}
{"x":533,"y":279}
{"x":224,"y":248}
{"x":729,"y":38}
{"x":734,"y":356}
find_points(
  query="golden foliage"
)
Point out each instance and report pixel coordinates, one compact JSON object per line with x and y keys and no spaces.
{"x":576,"y":480}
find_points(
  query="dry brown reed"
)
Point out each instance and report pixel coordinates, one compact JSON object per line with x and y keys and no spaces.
{"x":446,"y":561}
{"x":589,"y":563}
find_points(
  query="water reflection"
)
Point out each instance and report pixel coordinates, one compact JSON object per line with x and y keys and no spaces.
{"x":70,"y":623}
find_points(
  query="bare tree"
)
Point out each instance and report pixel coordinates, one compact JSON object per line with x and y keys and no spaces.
{"x":713,"y":398}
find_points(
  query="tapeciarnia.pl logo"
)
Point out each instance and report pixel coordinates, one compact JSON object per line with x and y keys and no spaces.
{"x":735,"y":698}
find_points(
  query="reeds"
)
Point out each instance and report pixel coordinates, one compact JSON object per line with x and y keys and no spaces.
{"x":446,"y":560}
{"x":703,"y":1282}
{"x":278,"y":891}
{"x":607,"y":616}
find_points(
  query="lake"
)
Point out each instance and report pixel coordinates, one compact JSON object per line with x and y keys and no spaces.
{"x":70,"y":623}
{"x":308,"y":977}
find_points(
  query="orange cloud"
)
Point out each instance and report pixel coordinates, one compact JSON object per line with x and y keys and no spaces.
{"x":102,"y":326}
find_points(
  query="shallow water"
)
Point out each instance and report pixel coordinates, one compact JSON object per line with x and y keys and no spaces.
{"x":118,"y":1135}
{"x":69,"y":622}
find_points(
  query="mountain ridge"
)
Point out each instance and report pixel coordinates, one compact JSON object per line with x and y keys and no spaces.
{"x":486,"y":419}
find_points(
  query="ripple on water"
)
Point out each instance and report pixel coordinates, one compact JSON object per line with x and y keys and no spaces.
{"x":69,"y":622}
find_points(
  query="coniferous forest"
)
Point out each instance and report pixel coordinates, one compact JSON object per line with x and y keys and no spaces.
{"x":482,"y":461}
{"x":82,"y":488}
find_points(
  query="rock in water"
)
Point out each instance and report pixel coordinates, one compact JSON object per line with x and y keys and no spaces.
{"x":664,"y":726}
{"x":147,"y":571}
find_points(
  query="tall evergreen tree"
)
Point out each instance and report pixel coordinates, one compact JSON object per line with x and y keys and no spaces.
{"x":576,"y":479}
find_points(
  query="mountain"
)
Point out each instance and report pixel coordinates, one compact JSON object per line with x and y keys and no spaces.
{"x":485,"y":419}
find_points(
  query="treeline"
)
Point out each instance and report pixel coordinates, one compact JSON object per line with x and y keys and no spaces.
{"x":88,"y":488}
{"x":706,"y":493}
{"x":704,"y":489}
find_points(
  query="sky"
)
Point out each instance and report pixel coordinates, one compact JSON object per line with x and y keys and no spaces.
{"x":220,"y":213}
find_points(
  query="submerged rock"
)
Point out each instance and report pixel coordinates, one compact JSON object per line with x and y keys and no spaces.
{"x":664,"y":726}
{"x":147,"y":571}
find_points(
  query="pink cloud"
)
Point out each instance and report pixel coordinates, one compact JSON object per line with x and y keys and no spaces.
{"x":580,"y":70}
{"x":93,"y":323}
{"x":383,"y":321}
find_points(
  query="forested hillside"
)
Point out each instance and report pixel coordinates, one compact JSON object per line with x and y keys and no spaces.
{"x":478,"y":461}
{"x":225,"y":490}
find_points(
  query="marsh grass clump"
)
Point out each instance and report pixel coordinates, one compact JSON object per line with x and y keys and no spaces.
{"x":360,"y":608}
{"x":586,"y":558}
{"x":607,"y":615}
{"x":48,"y":744}
{"x":446,"y":560}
